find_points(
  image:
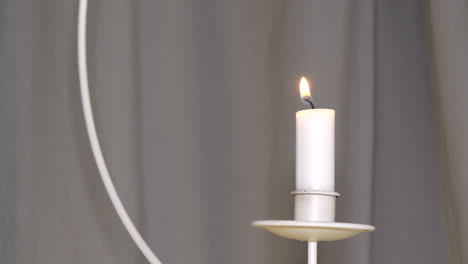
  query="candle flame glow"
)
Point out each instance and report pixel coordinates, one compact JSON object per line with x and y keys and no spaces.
{"x":304,"y":89}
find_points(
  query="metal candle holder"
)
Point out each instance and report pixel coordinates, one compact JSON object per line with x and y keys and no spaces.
{"x":314,"y":220}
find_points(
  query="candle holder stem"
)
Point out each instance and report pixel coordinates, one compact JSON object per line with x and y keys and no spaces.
{"x":312,"y":253}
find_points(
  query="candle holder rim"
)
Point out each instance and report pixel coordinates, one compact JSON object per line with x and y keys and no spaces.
{"x":309,"y":192}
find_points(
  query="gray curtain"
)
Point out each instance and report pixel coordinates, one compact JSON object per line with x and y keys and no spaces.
{"x":195,"y":104}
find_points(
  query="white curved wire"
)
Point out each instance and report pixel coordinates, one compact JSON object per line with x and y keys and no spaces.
{"x":94,"y":141}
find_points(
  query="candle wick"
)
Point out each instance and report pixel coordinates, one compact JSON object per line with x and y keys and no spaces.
{"x":312,"y":106}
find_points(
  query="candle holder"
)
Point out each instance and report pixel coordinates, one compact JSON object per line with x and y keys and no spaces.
{"x":314,"y":221}
{"x":316,"y":206}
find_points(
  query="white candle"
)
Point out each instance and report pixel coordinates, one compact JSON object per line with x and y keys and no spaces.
{"x":315,"y":147}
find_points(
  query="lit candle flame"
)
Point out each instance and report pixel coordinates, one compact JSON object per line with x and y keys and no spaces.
{"x":304,"y":89}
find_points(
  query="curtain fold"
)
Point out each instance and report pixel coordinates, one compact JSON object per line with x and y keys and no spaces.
{"x":195,"y":107}
{"x":450,"y":59}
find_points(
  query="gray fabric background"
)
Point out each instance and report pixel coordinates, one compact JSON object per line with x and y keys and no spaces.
{"x":195,"y":104}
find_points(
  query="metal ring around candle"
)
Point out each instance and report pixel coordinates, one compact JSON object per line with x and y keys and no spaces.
{"x":335,"y":194}
{"x":314,"y":205}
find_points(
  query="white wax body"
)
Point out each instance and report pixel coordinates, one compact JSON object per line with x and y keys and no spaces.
{"x":315,"y":150}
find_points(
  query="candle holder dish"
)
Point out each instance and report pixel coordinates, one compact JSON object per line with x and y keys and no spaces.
{"x":312,"y":231}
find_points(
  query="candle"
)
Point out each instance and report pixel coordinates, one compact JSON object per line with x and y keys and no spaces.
{"x":315,"y":146}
